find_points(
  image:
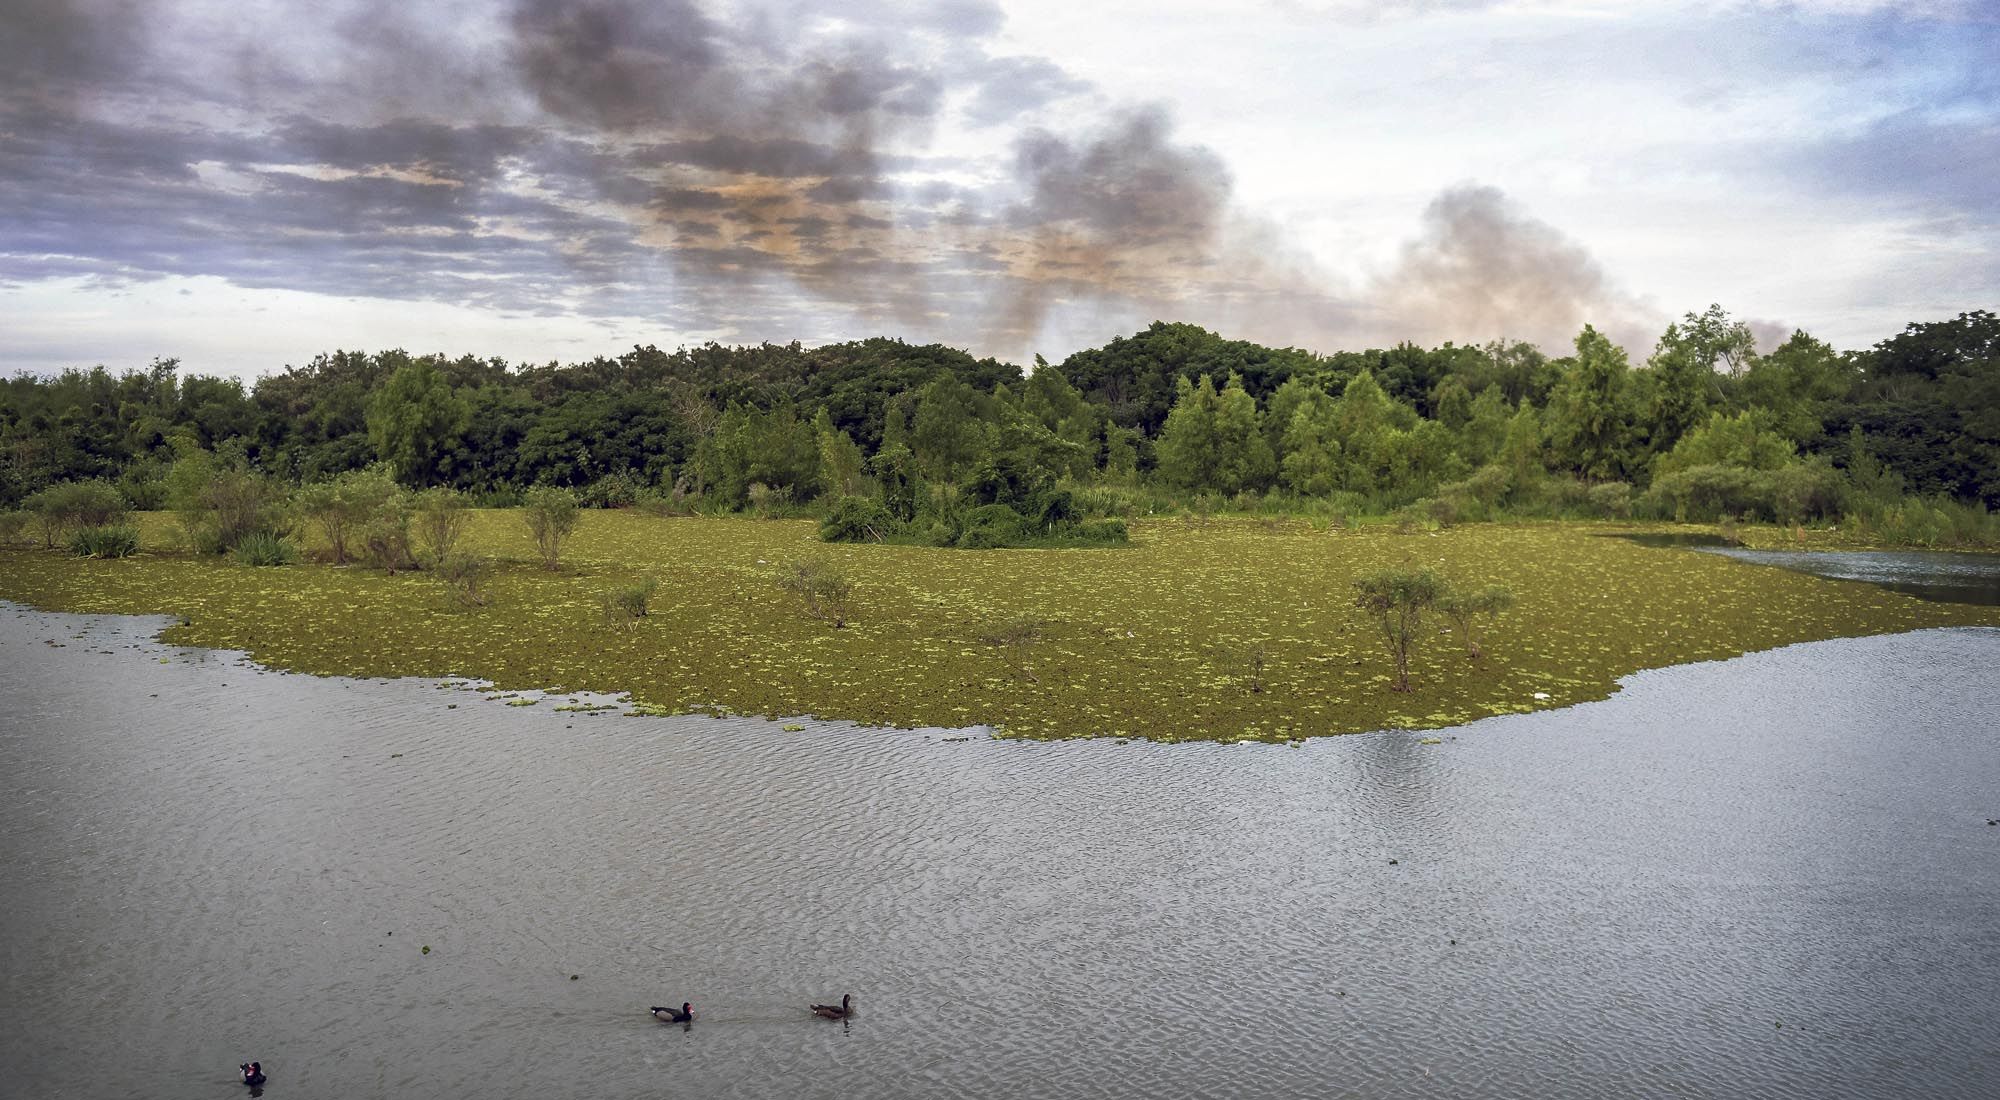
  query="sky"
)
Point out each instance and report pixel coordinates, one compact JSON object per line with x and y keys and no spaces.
{"x":244,"y":184}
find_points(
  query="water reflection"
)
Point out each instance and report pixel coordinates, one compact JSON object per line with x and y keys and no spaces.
{"x":1626,"y":898}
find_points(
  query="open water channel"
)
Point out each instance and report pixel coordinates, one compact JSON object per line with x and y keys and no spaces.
{"x":1765,"y":877}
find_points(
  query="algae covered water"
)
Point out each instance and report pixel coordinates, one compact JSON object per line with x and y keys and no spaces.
{"x":1768,"y":876}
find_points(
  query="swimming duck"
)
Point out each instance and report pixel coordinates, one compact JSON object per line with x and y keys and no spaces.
{"x":253,"y":1073}
{"x":831,"y":1012}
{"x":671,"y":1016}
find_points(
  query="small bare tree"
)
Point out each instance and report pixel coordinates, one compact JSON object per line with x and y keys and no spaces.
{"x":1016,"y":636}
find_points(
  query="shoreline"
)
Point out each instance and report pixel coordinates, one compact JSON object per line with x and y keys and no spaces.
{"x":1159,"y":641}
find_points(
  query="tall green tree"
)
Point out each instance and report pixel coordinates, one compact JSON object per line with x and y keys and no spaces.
{"x":1589,"y":424}
{"x":414,"y":419}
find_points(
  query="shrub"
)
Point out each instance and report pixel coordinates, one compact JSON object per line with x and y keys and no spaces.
{"x":105,"y":542}
{"x":991,"y":526}
{"x":1466,"y":608}
{"x":266,"y":548}
{"x":11,"y":526}
{"x":1109,"y":530}
{"x":1611,"y":500}
{"x":631,"y":601}
{"x":826,"y":592}
{"x":857,"y":519}
{"x":61,"y":509}
{"x":550,"y":514}
{"x":441,"y":517}
{"x":465,"y":577}
{"x":385,"y":540}
{"x":1015,"y":635}
{"x":613,"y":490}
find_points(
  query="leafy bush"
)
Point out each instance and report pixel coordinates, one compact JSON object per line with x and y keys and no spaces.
{"x":1108,"y":531}
{"x":441,"y":517}
{"x":550,"y":514}
{"x":61,"y":509}
{"x":1465,"y":608}
{"x":631,"y":601}
{"x":857,"y":519}
{"x":613,"y":490}
{"x":826,"y":592}
{"x":1611,"y":500}
{"x":991,"y":526}
{"x":465,"y":577}
{"x":105,"y":542}
{"x":266,"y":548}
{"x":11,"y":526}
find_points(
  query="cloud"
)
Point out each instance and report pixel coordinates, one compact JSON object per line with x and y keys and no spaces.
{"x":1483,"y":269}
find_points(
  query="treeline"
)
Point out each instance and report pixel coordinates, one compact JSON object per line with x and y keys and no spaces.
{"x":926,"y":443}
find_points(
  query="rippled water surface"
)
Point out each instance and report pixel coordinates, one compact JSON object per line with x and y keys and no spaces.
{"x":1767,"y":877}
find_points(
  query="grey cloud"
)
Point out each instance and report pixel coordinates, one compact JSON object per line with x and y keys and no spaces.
{"x":1483,"y":269}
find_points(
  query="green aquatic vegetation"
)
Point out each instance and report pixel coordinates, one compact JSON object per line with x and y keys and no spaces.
{"x":1143,"y":648}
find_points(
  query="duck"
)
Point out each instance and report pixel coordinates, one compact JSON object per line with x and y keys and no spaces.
{"x":253,"y":1073}
{"x":832,"y":1012}
{"x":667,"y":1015}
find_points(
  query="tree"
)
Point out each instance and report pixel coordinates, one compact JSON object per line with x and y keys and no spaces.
{"x":414,"y":419}
{"x":1588,"y":422}
{"x":1465,"y":608}
{"x":1187,"y":444}
{"x":551,"y":515}
{"x":1399,"y":598}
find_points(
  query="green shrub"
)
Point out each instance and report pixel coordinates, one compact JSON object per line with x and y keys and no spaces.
{"x":464,"y":577}
{"x":613,"y":490}
{"x":61,"y":509}
{"x":1109,"y":530}
{"x":991,"y":526}
{"x":631,"y":601}
{"x":266,"y":548}
{"x":826,"y":592}
{"x":441,"y":517}
{"x":105,"y":542}
{"x":12,"y":524}
{"x":1611,"y":500}
{"x":857,"y":519}
{"x":550,"y":514}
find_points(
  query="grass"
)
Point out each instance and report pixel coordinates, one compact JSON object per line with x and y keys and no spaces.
{"x":1139,"y":642}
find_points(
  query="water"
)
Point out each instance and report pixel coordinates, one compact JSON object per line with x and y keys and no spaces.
{"x":206,"y":864}
{"x":1930,"y":575}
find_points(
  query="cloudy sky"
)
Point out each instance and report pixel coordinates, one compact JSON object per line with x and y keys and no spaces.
{"x":246,"y":183}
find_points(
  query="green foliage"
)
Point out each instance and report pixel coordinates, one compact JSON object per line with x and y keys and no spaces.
{"x":858,"y":519}
{"x":989,"y":527}
{"x":12,"y":524}
{"x":265,"y":548}
{"x":63,"y":509}
{"x":551,"y":516}
{"x":105,"y":542}
{"x":826,"y":592}
{"x":631,"y":601}
{"x":415,"y":419}
{"x":1466,"y":607}
{"x":440,"y":516}
{"x":1589,"y":423}
{"x":465,"y":577}
{"x":221,"y":503}
{"x":1399,"y":598}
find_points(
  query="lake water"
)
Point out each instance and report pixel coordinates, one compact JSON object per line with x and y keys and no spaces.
{"x":1767,"y":877}
{"x":1927,"y":574}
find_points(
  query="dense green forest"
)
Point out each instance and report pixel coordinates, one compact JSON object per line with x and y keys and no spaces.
{"x":886,"y":439}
